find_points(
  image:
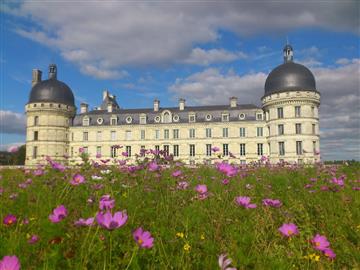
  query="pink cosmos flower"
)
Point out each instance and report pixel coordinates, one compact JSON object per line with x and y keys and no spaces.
{"x":224,"y":262}
{"x":13,"y":149}
{"x":77,"y":179}
{"x":215,"y":149}
{"x":225,"y":181}
{"x":33,"y":239}
{"x":106,"y":203}
{"x":124,"y":154}
{"x":84,"y":222}
{"x":59,"y":213}
{"x":143,"y":238}
{"x":183,"y":185}
{"x":201,"y":189}
{"x":228,"y":169}
{"x":81,"y":150}
{"x":98,"y":155}
{"x":9,"y":220}
{"x":10,"y":263}
{"x":38,"y":172}
{"x":110,"y":222}
{"x":338,"y":181}
{"x":176,"y":173}
{"x":329,"y":253}
{"x":320,"y":242}
{"x":153,"y":166}
{"x":272,"y":203}
{"x":245,"y":202}
{"x":289,"y":229}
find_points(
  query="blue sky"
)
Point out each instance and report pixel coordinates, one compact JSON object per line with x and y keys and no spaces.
{"x":193,"y":50}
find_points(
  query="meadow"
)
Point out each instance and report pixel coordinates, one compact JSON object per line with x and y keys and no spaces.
{"x":160,"y":214}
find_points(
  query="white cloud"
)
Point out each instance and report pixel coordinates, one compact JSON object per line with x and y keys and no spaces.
{"x":103,"y":73}
{"x":203,"y":57}
{"x":12,"y":122}
{"x":342,"y":61}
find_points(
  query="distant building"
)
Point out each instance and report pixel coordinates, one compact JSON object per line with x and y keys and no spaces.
{"x":285,"y":128}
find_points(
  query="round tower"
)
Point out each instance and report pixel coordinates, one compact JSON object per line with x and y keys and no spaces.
{"x":49,"y":113}
{"x":291,"y":105}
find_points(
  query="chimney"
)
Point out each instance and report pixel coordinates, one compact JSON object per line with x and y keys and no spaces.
{"x":181,"y":104}
{"x":52,"y":71}
{"x":105,"y":94}
{"x":84,"y":108}
{"x":109,"y":107}
{"x":36,"y":76}
{"x":156,"y":105}
{"x":233,"y":102}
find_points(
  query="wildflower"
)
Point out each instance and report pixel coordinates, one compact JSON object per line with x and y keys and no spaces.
{"x":33,"y":239}
{"x":224,"y":262}
{"x":84,"y":222}
{"x":248,"y":186}
{"x":225,"y":181}
{"x":13,"y":149}
{"x":201,"y":189}
{"x":313,"y":257}
{"x":329,"y":253}
{"x":339,"y":181}
{"x":202,"y":236}
{"x":125,"y":154}
{"x":143,"y":238}
{"x":96,"y":177}
{"x":320,"y":242}
{"x":180,"y":235}
{"x":183,"y":185}
{"x":227,"y":169}
{"x":110,"y":222}
{"x":245,"y":202}
{"x":106,"y":202}
{"x":98,"y":155}
{"x":77,"y":179}
{"x":9,"y":220}
{"x":13,"y":196}
{"x":153,"y":166}
{"x":59,"y":213}
{"x":215,"y":149}
{"x":187,"y":247}
{"x":289,"y":229}
{"x":176,"y":173}
{"x":10,"y":263}
{"x":271,"y":202}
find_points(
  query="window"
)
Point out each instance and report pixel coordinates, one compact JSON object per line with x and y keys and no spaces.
{"x":72,"y":136}
{"x":99,"y":120}
{"x":128,"y":119}
{"x":225,"y":117}
{"x":242,"y":116}
{"x":176,"y":150}
{"x":113,"y":135}
{"x":157,"y":119}
{"x":208,"y":132}
{"x":242,"y":132}
{"x":225,"y":132}
{"x":297,"y":111}
{"x":142,"y":120}
{"x":166,"y":134}
{"x":175,"y":133}
{"x":166,"y":150}
{"x":85,"y":121}
{"x":85,"y":136}
{"x":259,"y":116}
{"x":36,"y":135}
{"x":176,"y":118}
{"x":113,"y":121}
{"x":128,"y":150}
{"x":36,"y":120}
{"x":313,"y":111}
{"x":313,"y":129}
{"x":281,"y":129}
{"x":260,"y":149}
{"x":298,"y":128}
{"x":72,"y":151}
{"x":157,"y":148}
{"x":259,"y":131}
{"x":208,"y":150}
{"x":280,"y":112}
{"x":113,"y":151}
{"x":208,"y":117}
{"x":299,"y":150}
{"x":98,"y":150}
{"x":35,"y":149}
{"x":192,"y":150}
{"x":242,"y":149}
{"x":167,"y":117}
{"x":281,"y":148}
{"x":142,"y":134}
{"x":98,"y":136}
{"x":192,"y":118}
{"x":128,"y":135}
{"x":192,"y":133}
{"x":157,"y":134}
{"x":225,"y":149}
{"x":314,"y":147}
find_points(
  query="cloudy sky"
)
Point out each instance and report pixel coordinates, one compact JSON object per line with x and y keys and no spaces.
{"x":202,"y":51}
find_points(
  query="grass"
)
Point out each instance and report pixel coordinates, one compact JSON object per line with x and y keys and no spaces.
{"x":213,"y":226}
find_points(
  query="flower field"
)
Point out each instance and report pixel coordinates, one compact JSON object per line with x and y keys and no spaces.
{"x":156,"y":216}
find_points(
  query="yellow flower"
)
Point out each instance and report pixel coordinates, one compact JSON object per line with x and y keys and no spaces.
{"x":180,"y":235}
{"x":187,"y":247}
{"x":202,"y":236}
{"x":124,"y":195}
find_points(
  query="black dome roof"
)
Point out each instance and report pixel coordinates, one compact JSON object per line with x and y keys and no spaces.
{"x":52,"y":90}
{"x":289,"y":76}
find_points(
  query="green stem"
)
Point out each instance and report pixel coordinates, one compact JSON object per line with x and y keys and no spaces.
{"x":132,"y":256}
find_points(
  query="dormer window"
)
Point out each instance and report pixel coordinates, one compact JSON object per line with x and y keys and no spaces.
{"x":157,"y":119}
{"x":208,"y":117}
{"x":113,"y":121}
{"x":166,"y":117}
{"x":242,"y":116}
{"x":128,"y":119}
{"x":100,"y":120}
{"x":86,"y":121}
{"x":192,"y":118}
{"x":225,"y":117}
{"x":259,"y":116}
{"x":176,"y":118}
{"x":142,"y":119}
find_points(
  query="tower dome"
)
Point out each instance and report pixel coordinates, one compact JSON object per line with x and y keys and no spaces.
{"x":52,"y":90}
{"x":289,"y":76}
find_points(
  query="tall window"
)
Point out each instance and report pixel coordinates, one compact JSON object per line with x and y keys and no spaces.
{"x":192,"y":133}
{"x":176,"y":150}
{"x":192,"y":118}
{"x":98,"y":150}
{"x":314,"y":147}
{"x":260,"y":149}
{"x":297,"y":111}
{"x":225,"y":117}
{"x":192,"y":150}
{"x":36,"y":135}
{"x":35,"y":149}
{"x":242,"y":132}
{"x":299,"y":150}
{"x":313,"y":129}
{"x":113,"y":151}
{"x":98,"y":136}
{"x":242,"y":149}
{"x":142,"y":120}
{"x":225,"y":149}
{"x":128,"y":150}
{"x":312,"y":111}
{"x":113,"y":135}
{"x":128,"y":135}
{"x":175,"y":133}
{"x":259,"y":116}
{"x":167,"y":117}
{"x":281,"y":129}
{"x":298,"y":128}
{"x":208,"y":150}
{"x":208,"y":132}
{"x":280,"y":112}
{"x":259,"y":131}
{"x":85,"y":121}
{"x":85,"y":136}
{"x":166,"y":150}
{"x":281,"y":148}
{"x":142,"y":134}
{"x":157,"y":148}
{"x":113,"y":121}
{"x":157,"y":134}
{"x":225,"y":132}
{"x":36,"y":120}
{"x":166,"y":134}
